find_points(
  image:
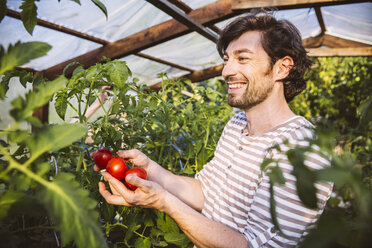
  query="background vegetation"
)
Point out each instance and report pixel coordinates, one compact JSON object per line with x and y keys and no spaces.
{"x":48,"y":190}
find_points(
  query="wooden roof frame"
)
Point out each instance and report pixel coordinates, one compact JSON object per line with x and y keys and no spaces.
{"x":186,"y":20}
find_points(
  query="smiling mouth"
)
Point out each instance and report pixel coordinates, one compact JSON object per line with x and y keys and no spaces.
{"x":236,"y":85}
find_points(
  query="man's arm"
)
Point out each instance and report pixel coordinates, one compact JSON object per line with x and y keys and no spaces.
{"x":201,"y":231}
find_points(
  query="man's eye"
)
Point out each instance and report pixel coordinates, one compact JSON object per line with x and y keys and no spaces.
{"x":243,"y":59}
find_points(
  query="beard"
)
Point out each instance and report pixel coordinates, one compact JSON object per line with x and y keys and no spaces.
{"x":255,"y":93}
{"x":251,"y":97}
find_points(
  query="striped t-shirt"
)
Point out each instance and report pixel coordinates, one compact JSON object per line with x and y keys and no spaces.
{"x":237,"y":191}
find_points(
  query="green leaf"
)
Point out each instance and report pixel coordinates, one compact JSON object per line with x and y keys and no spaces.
{"x":4,"y":84}
{"x":305,"y":178}
{"x":16,"y":203}
{"x":100,"y":5}
{"x":276,"y":175}
{"x":22,"y":53}
{"x":142,"y":243}
{"x":339,"y":176}
{"x":118,"y":72}
{"x":76,"y":1}
{"x":24,"y":108}
{"x":176,"y":238}
{"x":2,"y":9}
{"x":132,"y":228}
{"x":273,"y":208}
{"x":61,"y":104}
{"x":29,"y":15}
{"x":73,"y":211}
{"x":69,"y":66}
{"x":54,"y":137}
{"x":166,"y":223}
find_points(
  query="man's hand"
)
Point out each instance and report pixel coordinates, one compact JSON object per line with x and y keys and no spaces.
{"x":148,"y":194}
{"x":136,"y":157}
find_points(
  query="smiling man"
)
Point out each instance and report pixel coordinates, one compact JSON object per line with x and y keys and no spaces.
{"x":227,"y":204}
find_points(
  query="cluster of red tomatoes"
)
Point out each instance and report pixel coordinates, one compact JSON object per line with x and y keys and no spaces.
{"x":116,"y":166}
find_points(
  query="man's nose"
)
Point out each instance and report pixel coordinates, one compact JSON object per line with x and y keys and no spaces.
{"x":229,"y":69}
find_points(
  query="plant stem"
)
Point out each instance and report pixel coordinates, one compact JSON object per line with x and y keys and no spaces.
{"x":121,"y":224}
{"x":9,"y":129}
{"x":88,"y":98}
{"x":81,"y":157}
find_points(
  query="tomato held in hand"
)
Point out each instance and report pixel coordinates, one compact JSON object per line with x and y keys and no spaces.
{"x":102,"y":157}
{"x":116,"y":167}
{"x":139,"y":172}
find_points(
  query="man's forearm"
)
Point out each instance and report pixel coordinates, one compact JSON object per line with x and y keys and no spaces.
{"x":186,"y":189}
{"x":201,"y":231}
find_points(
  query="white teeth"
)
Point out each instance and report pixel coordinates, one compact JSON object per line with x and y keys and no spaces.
{"x":236,"y":85}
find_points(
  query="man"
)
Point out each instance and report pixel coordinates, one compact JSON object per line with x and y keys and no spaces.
{"x":227,"y":203}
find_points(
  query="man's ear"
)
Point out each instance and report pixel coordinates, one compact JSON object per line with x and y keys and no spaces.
{"x":282,"y":67}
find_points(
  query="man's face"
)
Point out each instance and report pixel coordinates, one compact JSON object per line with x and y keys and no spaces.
{"x":247,"y":71}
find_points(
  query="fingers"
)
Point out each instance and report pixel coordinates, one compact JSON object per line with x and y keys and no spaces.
{"x":129,"y":154}
{"x":96,"y":168}
{"x":110,"y":198}
{"x":144,"y":185}
{"x":135,"y":156}
{"x":107,"y":87}
{"x":117,"y":186}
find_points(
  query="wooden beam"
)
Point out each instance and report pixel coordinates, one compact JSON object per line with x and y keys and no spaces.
{"x":313,"y":42}
{"x":183,"y":18}
{"x":59,"y":28}
{"x":319,"y":16}
{"x":181,"y":5}
{"x":351,"y":51}
{"x":146,"y":56}
{"x":331,"y":41}
{"x":241,"y":5}
{"x":206,"y":15}
{"x":187,"y":9}
{"x":201,"y":75}
{"x":337,"y":42}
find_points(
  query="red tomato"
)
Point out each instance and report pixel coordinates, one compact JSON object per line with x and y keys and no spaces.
{"x":101,"y":157}
{"x":116,"y":167}
{"x":139,"y":172}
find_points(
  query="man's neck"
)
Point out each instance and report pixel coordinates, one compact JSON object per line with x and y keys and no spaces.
{"x":267,"y":115}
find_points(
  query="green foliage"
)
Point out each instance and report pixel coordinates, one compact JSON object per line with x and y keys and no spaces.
{"x":29,"y":15}
{"x":23,"y":108}
{"x":338,"y":101}
{"x":32,"y":199}
{"x":101,"y":6}
{"x":336,"y":88}
{"x":21,"y":53}
{"x":73,"y":210}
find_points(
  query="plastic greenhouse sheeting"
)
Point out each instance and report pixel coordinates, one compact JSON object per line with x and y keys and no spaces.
{"x":351,"y":21}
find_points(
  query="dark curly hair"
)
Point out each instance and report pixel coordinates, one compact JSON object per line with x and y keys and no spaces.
{"x":279,"y":38}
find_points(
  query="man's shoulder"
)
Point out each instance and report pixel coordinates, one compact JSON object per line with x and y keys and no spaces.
{"x":296,"y":128}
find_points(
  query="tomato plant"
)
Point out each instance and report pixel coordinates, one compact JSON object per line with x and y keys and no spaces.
{"x":139,"y":172}
{"x":101,"y":157}
{"x":116,"y":167}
